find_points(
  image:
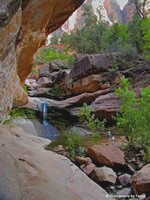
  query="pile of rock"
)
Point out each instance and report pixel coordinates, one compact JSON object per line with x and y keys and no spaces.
{"x":92,"y":80}
{"x":106,"y":165}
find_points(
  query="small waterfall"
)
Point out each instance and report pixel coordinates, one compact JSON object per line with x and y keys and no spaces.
{"x":49,"y":131}
{"x":44,"y":110}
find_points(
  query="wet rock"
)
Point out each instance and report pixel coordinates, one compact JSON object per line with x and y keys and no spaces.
{"x":125,"y":179}
{"x":88,"y":169}
{"x":141,"y":180}
{"x":57,"y":65}
{"x":83,"y":160}
{"x":108,"y":155}
{"x":70,"y":102}
{"x":105,"y":174}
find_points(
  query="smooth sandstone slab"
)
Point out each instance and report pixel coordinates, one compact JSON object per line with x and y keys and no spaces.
{"x":40,"y":174}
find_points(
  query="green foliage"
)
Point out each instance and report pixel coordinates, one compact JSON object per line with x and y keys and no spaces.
{"x":145,"y":27}
{"x":87,"y":40}
{"x":73,"y":143}
{"x":56,"y":91}
{"x":34,"y":71}
{"x":25,"y":87}
{"x":99,"y":37}
{"x":22,"y":112}
{"x":135,"y":114}
{"x":147,"y":155}
{"x":47,"y":55}
{"x":89,"y":119}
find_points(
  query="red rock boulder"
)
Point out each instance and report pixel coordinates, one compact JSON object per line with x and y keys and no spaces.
{"x":108,"y":155}
{"x":141,"y":180}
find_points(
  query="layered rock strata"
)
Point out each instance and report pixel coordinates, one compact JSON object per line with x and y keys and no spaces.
{"x":24,"y":26}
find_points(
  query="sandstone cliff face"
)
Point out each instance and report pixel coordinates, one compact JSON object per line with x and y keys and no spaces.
{"x":128,"y":11}
{"x":10,"y":20}
{"x":115,"y":14}
{"x":113,"y":11}
{"x":23,"y":29}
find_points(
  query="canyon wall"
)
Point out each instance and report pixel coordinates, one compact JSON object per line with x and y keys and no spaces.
{"x":24,"y":26}
{"x":112,"y":11}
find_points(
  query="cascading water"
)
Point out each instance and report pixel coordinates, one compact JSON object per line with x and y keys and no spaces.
{"x":44,"y":110}
{"x":49,"y":131}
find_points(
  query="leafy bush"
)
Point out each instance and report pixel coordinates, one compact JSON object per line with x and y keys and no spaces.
{"x":34,"y":71}
{"x":73,"y":143}
{"x":47,"y":55}
{"x":25,"y":87}
{"x":89,"y":119}
{"x":56,"y":91}
{"x":145,"y":27}
{"x":99,"y":37}
{"x":135,"y":114}
{"x":22,"y":112}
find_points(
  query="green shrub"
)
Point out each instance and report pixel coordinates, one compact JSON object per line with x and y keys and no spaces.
{"x":134,"y":116}
{"x":56,"y":91}
{"x":99,"y":37}
{"x":22,"y":112}
{"x":25,"y":87}
{"x":73,"y":143}
{"x":89,"y":119}
{"x":47,"y":55}
{"x":145,"y":27}
{"x":34,"y":71}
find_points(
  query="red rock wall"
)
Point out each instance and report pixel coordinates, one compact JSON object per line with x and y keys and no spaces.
{"x":23,"y":29}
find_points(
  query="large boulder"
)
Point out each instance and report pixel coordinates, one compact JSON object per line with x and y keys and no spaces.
{"x":125,"y":179}
{"x":20,"y":97}
{"x":39,"y":92}
{"x":44,"y":71}
{"x":90,"y":64}
{"x":106,"y":106}
{"x":105,"y":174}
{"x":141,"y":180}
{"x":91,"y":83}
{"x":28,"y":171}
{"x":108,"y":155}
{"x":45,"y":82}
{"x":57,"y":65}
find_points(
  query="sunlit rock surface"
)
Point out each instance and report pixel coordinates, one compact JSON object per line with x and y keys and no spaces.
{"x":25,"y":27}
{"x":28,"y":171}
